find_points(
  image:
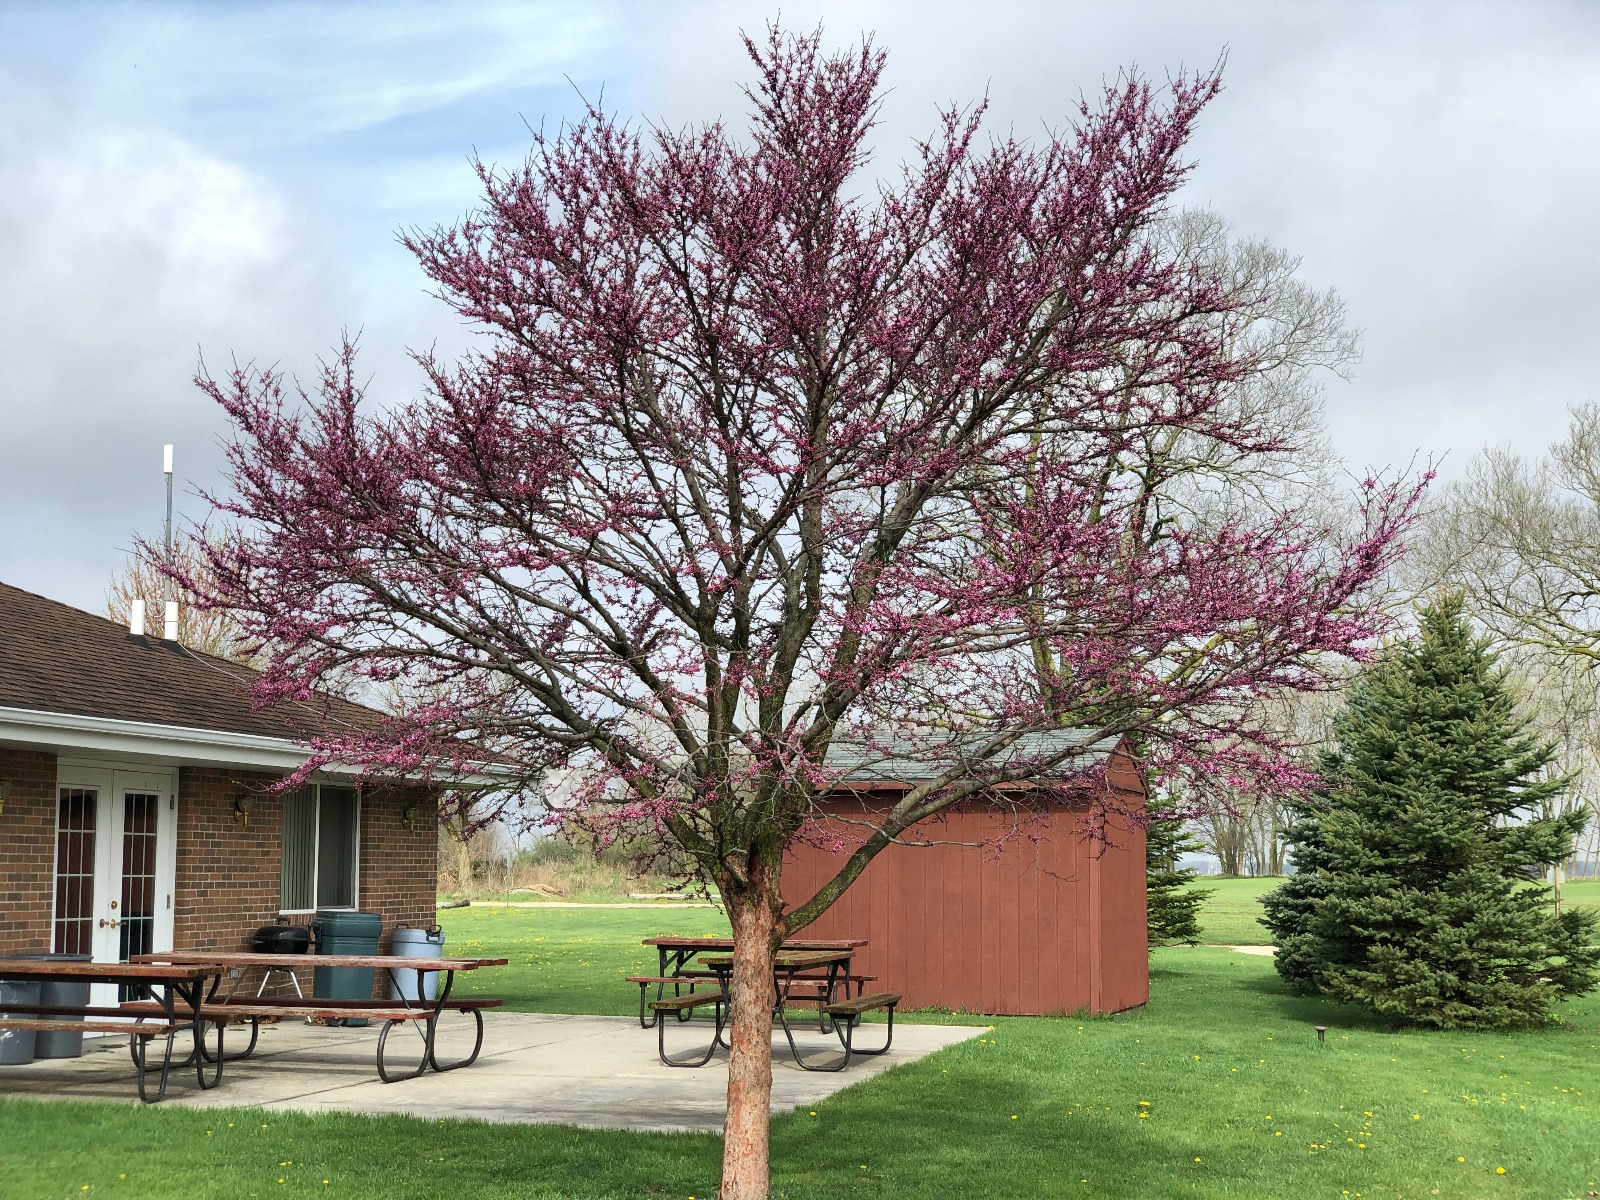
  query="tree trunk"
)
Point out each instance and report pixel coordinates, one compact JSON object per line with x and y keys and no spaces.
{"x":746,"y":1163}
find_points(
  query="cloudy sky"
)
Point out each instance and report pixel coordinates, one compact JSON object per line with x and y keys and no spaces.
{"x":225,"y":180}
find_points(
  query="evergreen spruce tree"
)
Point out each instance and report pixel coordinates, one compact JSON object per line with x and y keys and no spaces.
{"x":1416,"y":857}
{"x":1172,"y":907}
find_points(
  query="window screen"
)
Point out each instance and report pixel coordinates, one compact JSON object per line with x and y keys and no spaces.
{"x":336,"y":848}
{"x":298,"y":892}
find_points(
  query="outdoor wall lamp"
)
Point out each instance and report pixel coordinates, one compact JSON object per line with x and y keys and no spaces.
{"x":408,"y":816}
{"x":5,"y":794}
{"x":241,"y":807}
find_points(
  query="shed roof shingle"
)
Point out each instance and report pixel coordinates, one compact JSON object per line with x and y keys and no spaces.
{"x":901,"y":760}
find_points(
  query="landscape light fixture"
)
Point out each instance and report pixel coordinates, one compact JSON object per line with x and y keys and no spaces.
{"x":241,"y":805}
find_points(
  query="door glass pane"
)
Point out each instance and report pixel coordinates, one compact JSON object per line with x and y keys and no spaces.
{"x":297,"y":878}
{"x":140,"y":811}
{"x":336,"y":848}
{"x":75,"y":830}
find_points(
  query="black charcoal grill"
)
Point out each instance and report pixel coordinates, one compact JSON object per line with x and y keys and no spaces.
{"x":281,"y":939}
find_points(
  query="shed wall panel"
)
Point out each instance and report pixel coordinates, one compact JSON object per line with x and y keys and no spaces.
{"x":1050,"y":922}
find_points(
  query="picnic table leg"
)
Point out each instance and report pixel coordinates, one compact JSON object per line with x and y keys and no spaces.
{"x":140,"y":1048}
{"x":383,"y":1040}
{"x":141,"y":1060}
{"x":788,"y":1033}
{"x":433,"y":1032}
{"x":424,"y":1032}
{"x":716,"y":1040}
{"x":192,"y":996}
{"x":682,"y":959}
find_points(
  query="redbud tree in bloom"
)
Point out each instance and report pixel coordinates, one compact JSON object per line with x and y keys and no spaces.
{"x":763,"y":452}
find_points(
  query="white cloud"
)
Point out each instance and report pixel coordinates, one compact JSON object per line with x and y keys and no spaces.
{"x":126,"y":251}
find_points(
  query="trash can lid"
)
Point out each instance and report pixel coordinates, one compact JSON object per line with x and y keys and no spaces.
{"x":339,"y":923}
{"x":408,"y":933}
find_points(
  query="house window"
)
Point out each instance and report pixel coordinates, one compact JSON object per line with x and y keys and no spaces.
{"x":321,"y":840}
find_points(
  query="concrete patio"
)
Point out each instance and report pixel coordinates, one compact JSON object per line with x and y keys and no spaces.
{"x":597,"y":1072}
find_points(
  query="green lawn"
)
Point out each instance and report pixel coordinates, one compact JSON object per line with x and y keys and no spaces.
{"x":1242,"y":1102}
{"x":1231,"y":912}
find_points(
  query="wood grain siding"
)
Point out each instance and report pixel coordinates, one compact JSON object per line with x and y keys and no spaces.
{"x":1051,"y":923}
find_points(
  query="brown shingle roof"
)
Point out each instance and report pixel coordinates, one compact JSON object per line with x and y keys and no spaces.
{"x":59,"y":659}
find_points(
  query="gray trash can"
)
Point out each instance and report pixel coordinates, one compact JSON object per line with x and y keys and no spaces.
{"x":64,"y":993}
{"x":17,"y":1045}
{"x":416,"y":943}
{"x":340,"y":932}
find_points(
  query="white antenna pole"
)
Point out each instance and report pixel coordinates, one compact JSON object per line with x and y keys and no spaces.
{"x":169,"y":605}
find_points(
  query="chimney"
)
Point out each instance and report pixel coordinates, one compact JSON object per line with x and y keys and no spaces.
{"x":170,"y":625}
{"x":136,"y":618}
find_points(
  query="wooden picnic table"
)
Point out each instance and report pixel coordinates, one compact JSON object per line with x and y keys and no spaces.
{"x":787,"y":966}
{"x":416,"y":1012}
{"x":183,"y":988}
{"x":676,"y":953}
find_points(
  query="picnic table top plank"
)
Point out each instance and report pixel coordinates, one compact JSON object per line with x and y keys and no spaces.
{"x":228,"y":958}
{"x":787,"y":960}
{"x":164,"y":968}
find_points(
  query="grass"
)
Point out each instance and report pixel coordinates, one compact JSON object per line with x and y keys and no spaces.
{"x":570,"y":960}
{"x":1229,"y":916}
{"x":1039,"y":1107}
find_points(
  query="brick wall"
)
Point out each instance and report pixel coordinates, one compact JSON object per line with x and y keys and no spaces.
{"x":229,"y":873}
{"x":227,"y":881}
{"x":27,"y":850}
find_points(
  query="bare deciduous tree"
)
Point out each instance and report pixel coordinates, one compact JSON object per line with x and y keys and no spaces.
{"x":206,"y":629}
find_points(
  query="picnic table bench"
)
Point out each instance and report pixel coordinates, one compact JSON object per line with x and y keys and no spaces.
{"x":420,"y":1014}
{"x":179,"y":1010}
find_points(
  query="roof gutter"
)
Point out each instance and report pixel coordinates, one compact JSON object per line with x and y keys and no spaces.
{"x":182,"y":743}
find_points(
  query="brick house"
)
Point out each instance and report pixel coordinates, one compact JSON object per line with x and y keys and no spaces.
{"x":134,"y":814}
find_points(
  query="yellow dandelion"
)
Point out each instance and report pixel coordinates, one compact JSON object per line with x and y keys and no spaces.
{"x":1499,"y":1170}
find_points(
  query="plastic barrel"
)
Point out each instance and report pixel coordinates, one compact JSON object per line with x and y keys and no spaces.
{"x":341,"y":932}
{"x":64,"y":993}
{"x":16,"y":1045}
{"x":415,"y":943}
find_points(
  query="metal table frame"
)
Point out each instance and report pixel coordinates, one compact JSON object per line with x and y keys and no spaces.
{"x":234,"y":964}
{"x":786,"y":968}
{"x":190,"y":983}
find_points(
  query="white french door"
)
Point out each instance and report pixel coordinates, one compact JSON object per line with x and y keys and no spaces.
{"x":116,"y":860}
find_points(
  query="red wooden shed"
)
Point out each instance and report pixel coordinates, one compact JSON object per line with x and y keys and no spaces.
{"x":1052,"y":923}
